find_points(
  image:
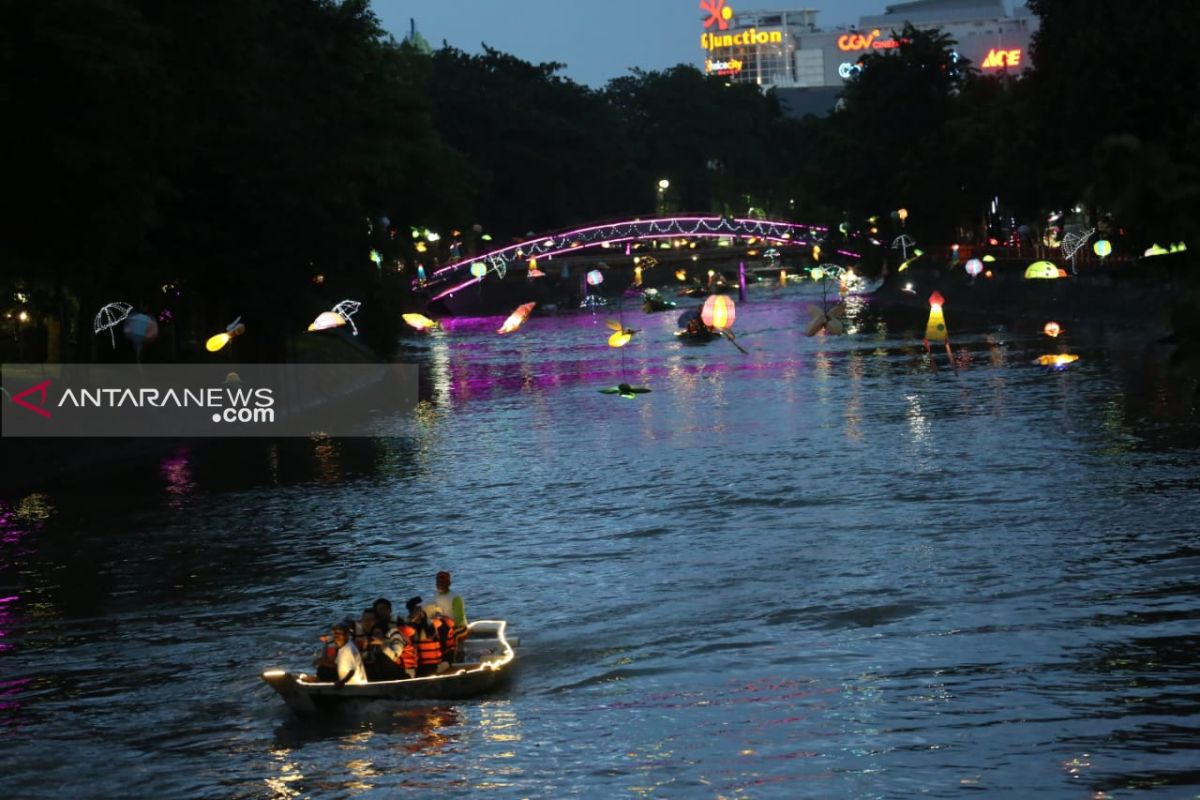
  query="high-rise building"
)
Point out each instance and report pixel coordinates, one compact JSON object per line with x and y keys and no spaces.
{"x":808,"y":67}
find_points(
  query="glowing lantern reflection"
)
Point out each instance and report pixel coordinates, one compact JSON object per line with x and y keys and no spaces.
{"x":1041,"y":270}
{"x":419,"y":322}
{"x":1056,"y":360}
{"x":718,"y":312}
{"x":974,"y":267}
{"x":595,"y":278}
{"x":1052,"y":329}
{"x":516,"y":318}
{"x":1102,"y":248}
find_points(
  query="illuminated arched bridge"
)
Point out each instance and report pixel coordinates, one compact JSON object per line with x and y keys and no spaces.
{"x":463,"y":273}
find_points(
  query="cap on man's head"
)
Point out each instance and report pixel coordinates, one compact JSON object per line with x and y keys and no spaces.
{"x":443,"y":577}
{"x":413,"y":604}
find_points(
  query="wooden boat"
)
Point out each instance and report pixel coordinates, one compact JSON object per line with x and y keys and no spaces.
{"x":488,"y":661}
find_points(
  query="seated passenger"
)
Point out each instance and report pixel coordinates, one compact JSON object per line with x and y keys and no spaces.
{"x":399,"y":653}
{"x":348,"y":665}
{"x":429,"y":638}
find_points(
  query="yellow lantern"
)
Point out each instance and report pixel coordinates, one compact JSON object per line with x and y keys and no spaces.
{"x":419,"y":322}
{"x":719,"y":312}
{"x":1042,"y":270}
{"x":326,"y":320}
{"x":935,"y":328}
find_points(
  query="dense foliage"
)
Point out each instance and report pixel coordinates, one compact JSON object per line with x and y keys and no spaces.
{"x":245,"y":158}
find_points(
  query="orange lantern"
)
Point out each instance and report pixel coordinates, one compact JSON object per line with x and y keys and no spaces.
{"x":1052,"y":329}
{"x":718,"y":312}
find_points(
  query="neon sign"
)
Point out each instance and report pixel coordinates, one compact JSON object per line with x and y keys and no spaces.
{"x":730,"y":67}
{"x":711,"y":41}
{"x":857,"y":41}
{"x":718,"y":13}
{"x":998,"y":58}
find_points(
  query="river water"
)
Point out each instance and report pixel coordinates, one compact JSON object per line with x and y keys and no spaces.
{"x":833,"y":567}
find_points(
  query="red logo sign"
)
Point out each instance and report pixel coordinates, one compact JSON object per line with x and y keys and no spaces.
{"x":19,"y":399}
{"x":718,"y":13}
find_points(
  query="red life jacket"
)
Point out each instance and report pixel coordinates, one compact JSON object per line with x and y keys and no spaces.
{"x":408,"y":652}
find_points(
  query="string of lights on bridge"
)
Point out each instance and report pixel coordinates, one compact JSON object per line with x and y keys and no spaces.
{"x":615,"y":233}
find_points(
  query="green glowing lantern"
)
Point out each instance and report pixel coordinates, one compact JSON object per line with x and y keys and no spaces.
{"x":478,"y":269}
{"x":1041,"y":270}
{"x":1102,"y":248}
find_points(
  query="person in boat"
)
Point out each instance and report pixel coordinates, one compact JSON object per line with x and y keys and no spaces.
{"x":429,"y":637}
{"x":399,"y":651}
{"x":383,"y":613}
{"x":348,"y":665}
{"x":451,"y":606}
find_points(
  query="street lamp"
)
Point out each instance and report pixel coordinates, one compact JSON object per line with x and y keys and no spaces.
{"x":663,"y":185}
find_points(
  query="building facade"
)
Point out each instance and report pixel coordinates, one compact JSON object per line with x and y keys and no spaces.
{"x":808,"y":67}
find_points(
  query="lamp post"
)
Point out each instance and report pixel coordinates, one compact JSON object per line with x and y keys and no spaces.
{"x":663,"y":185}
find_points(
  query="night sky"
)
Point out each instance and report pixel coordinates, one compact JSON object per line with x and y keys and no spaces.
{"x":598,"y":40}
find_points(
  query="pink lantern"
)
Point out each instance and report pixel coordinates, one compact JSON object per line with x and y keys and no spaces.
{"x":595,"y":278}
{"x":718,"y":312}
{"x":974,"y":267}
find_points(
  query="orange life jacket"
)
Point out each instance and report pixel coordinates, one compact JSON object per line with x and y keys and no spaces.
{"x":429,"y":648}
{"x":408,"y":652}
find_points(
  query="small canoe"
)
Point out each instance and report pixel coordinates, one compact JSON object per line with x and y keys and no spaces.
{"x":489,"y":660}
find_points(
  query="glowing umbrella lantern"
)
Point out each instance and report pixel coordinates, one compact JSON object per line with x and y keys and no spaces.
{"x":595,"y":278}
{"x":1102,"y":247}
{"x":109,"y":317}
{"x":516,"y":318}
{"x":974,"y":267}
{"x":1041,"y":270}
{"x":419,"y":322}
{"x":719,"y":312}
{"x":215,"y":343}
{"x":1052,"y":329}
{"x":478,"y":269}
{"x":621,"y":335}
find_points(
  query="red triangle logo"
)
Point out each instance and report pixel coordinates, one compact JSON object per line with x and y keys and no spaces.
{"x":19,"y":399}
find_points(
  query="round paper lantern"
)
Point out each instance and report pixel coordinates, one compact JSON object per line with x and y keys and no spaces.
{"x":718,"y":312}
{"x":974,"y":267}
{"x":595,"y":278}
{"x":478,"y":269}
{"x":1102,"y":247}
{"x":1052,"y":329}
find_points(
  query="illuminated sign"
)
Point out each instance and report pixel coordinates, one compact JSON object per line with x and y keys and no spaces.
{"x":730,"y":67}
{"x":998,"y":58}
{"x":848,"y":70}
{"x":871,"y":41}
{"x":718,"y":14}
{"x":711,"y":41}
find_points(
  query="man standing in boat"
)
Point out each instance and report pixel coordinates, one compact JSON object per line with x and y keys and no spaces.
{"x":451,"y":605}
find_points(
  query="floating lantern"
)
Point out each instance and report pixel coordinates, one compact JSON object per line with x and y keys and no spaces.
{"x":421,"y":273}
{"x":988,"y":274}
{"x":595,"y":278}
{"x":1057,"y":361}
{"x":637,"y":276}
{"x":989,"y":258}
{"x":817,"y":273}
{"x":376,"y":257}
{"x":719,"y":312}
{"x":621,"y":335}
{"x":681,"y":274}
{"x":516,"y":318}
{"x":1052,"y":329}
{"x":830,"y":321}
{"x":534,"y":272}
{"x":1102,"y":247}
{"x":902,"y":214}
{"x":478,"y":269}
{"x":1041,"y":270}
{"x":338,"y":316}
{"x":215,"y":343}
{"x":419,"y":322}
{"x":935,"y":328}
{"x":974,"y":267}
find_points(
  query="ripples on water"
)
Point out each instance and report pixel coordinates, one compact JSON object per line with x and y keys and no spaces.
{"x":826,"y":569}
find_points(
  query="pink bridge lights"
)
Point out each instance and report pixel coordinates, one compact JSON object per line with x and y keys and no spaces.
{"x":608,"y":234}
